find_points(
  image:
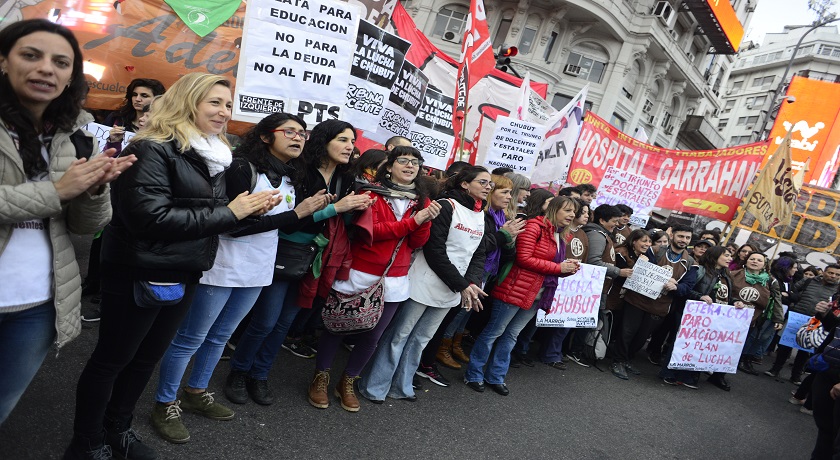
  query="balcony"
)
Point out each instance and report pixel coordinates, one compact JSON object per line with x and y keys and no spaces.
{"x":699,"y":133}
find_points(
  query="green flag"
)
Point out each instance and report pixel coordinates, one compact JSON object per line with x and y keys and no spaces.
{"x":203,"y":16}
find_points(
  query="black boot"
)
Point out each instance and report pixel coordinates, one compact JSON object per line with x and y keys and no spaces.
{"x":746,"y":365}
{"x":87,"y":449}
{"x":125,"y":442}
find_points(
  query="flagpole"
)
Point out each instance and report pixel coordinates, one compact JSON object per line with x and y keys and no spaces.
{"x":776,"y":251}
{"x":464,"y":126}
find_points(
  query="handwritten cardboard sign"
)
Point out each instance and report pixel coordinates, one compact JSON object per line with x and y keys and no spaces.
{"x":576,"y":300}
{"x":514,"y":145}
{"x":648,"y":279}
{"x":711,"y":337}
{"x":794,"y":322}
{"x":634,"y":190}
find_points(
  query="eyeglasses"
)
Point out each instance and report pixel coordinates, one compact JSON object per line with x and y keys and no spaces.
{"x":291,"y":133}
{"x":485,"y":183}
{"x":407,"y":161}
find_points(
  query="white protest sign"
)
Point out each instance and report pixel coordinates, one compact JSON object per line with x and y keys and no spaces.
{"x":377,"y":59}
{"x":403,"y":104}
{"x":295,"y":57}
{"x":634,"y":190}
{"x":432,"y":130}
{"x":556,"y":149}
{"x":711,"y":337}
{"x":794,"y":322}
{"x":100,"y":132}
{"x":648,"y":279}
{"x":514,"y":145}
{"x":576,"y":300}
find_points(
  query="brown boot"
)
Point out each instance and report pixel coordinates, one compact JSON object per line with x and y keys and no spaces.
{"x":457,"y":351}
{"x":444,"y":355}
{"x":345,"y":393}
{"x":318,"y":396}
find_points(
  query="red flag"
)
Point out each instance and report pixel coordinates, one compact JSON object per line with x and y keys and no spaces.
{"x":476,"y":62}
{"x":476,"y":136}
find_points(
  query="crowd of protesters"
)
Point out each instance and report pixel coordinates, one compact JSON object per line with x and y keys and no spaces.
{"x":199,"y":235}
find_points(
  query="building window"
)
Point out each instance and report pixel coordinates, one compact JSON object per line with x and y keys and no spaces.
{"x":804,"y":50}
{"x":723,"y":122}
{"x":737,"y":85}
{"x":825,"y":50}
{"x":618,"y":122}
{"x":748,"y":120}
{"x":559,"y":101}
{"x":761,"y":81}
{"x":590,"y":68}
{"x":729,"y":105}
{"x":648,"y":106}
{"x":739,"y":140}
{"x":550,"y":47}
{"x":527,"y":41}
{"x":452,"y":18}
{"x":666,"y":120}
{"x":501,"y":33}
{"x":755,"y":102}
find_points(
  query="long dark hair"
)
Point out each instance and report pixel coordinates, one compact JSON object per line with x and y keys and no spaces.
{"x":709,"y":258}
{"x":466,"y":174}
{"x":255,"y":144}
{"x":634,"y":236}
{"x":315,"y":151}
{"x":535,"y":201}
{"x":61,"y":113}
{"x":126,"y":110}
{"x":781,"y":267}
{"x":370,"y":159}
{"x":383,"y":176}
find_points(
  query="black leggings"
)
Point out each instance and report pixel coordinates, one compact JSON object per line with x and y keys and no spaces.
{"x":132,"y":340}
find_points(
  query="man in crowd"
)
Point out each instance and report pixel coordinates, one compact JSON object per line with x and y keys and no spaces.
{"x":587,"y":193}
{"x":571,"y":192}
{"x":622,"y":230}
{"x":397,"y":141}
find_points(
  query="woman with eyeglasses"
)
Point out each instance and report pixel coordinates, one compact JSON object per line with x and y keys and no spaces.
{"x":321,"y":166}
{"x":401,"y":215}
{"x":244,"y":265}
{"x":445,"y":274}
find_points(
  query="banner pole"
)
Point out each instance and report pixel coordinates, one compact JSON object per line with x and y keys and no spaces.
{"x":464,"y":126}
{"x":776,"y":250}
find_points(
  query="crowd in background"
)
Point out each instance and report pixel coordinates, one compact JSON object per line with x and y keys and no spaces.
{"x":213,"y":248}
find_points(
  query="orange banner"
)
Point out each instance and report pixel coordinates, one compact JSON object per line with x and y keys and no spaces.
{"x":815,"y":121}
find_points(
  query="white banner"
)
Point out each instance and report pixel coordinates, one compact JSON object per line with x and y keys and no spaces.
{"x":514,"y":145}
{"x":403,"y":104}
{"x":295,"y":59}
{"x":634,"y":190}
{"x":648,"y":279}
{"x":711,"y":337}
{"x":576,"y":300}
{"x":556,"y":150}
{"x":432,"y":130}
{"x":100,"y":132}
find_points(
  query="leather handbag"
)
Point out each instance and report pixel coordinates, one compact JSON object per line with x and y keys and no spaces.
{"x":360,"y":312}
{"x":294,"y":260}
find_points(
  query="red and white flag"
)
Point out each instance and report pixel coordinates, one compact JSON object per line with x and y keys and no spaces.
{"x":475,"y":139}
{"x":476,"y":62}
{"x":521,"y":111}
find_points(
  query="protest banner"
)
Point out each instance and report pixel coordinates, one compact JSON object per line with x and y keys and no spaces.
{"x":711,"y":337}
{"x":794,"y":322}
{"x":432,"y":130}
{"x":294,"y":56}
{"x":514,"y":145}
{"x":622,"y":187}
{"x":648,"y":279}
{"x":555,"y":154}
{"x":403,"y":104}
{"x":377,"y":60}
{"x":705,"y":182}
{"x":576,"y":300}
{"x":100,"y":132}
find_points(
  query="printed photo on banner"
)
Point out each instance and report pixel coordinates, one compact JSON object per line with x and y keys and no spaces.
{"x":377,"y":60}
{"x":100,"y":132}
{"x":432,"y":130}
{"x":711,"y":337}
{"x":555,"y":153}
{"x":794,"y":322}
{"x":576,"y":300}
{"x":709,"y":183}
{"x":648,"y":279}
{"x":296,"y":51}
{"x":403,"y":104}
{"x":514,"y":145}
{"x":623,"y":187}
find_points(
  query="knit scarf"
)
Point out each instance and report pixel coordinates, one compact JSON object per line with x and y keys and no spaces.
{"x":550,"y":282}
{"x":389,"y":189}
{"x":491,"y":265}
{"x":215,"y":153}
{"x":759,"y":278}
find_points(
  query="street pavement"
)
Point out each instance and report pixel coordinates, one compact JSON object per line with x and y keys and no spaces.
{"x":579,"y":413}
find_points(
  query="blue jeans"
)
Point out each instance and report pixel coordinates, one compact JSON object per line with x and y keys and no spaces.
{"x":271,"y":319}
{"x":212,"y":318}
{"x":506,"y":322}
{"x":458,"y":324}
{"x":392,"y":367}
{"x":552,"y":350}
{"x":759,"y":338}
{"x":25,"y":339}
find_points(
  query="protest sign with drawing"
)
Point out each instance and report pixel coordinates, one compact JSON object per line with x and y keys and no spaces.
{"x":634,"y":190}
{"x":576,"y":300}
{"x":648,"y":279}
{"x":711,"y":337}
{"x":514,"y":145}
{"x":100,"y":132}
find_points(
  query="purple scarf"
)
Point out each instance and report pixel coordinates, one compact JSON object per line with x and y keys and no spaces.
{"x":491,"y":264}
{"x":550,"y":281}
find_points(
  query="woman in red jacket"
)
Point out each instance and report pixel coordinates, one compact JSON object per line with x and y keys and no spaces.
{"x":540,"y":259}
{"x":401,"y":212}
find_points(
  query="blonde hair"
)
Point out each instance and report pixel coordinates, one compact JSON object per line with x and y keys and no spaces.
{"x":173,"y":114}
{"x":498,"y":182}
{"x":556,"y":204}
{"x":519,"y":182}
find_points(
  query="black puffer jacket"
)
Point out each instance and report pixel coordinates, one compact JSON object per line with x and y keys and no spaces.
{"x":167,"y":213}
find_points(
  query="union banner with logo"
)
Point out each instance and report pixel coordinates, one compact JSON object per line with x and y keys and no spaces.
{"x":705,"y":182}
